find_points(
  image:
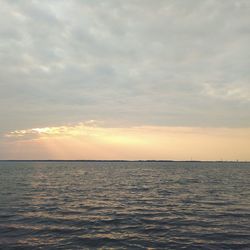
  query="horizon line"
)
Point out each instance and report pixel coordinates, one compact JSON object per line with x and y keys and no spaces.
{"x":100,"y":160}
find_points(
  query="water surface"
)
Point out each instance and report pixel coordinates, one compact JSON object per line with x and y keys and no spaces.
{"x":125,"y":205}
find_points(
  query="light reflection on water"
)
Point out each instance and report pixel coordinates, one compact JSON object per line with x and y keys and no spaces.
{"x":124,"y":205}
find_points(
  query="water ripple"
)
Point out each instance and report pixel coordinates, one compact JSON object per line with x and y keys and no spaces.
{"x":124,"y":205}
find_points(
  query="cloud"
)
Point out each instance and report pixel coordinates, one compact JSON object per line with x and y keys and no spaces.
{"x":83,"y":128}
{"x":169,"y":63}
{"x":234,"y":92}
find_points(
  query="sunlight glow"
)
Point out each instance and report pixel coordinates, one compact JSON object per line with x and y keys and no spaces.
{"x":89,"y":140}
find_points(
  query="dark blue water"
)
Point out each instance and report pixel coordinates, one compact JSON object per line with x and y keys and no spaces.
{"x":67,"y":205}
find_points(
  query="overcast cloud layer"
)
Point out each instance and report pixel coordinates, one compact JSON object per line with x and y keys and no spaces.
{"x":171,"y":63}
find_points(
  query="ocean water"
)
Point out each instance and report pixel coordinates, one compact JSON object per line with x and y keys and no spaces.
{"x":124,"y":205}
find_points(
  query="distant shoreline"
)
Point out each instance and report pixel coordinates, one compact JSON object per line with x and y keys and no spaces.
{"x":194,"y":161}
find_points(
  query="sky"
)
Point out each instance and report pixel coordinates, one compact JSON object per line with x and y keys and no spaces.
{"x":114,"y":79}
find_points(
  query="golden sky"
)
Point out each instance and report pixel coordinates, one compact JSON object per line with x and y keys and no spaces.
{"x":91,"y":140}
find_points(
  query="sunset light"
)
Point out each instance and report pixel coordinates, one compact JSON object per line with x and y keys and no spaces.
{"x":124,"y":124}
{"x":94,"y":141}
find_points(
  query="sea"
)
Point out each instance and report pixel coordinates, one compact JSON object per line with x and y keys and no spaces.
{"x":124,"y":205}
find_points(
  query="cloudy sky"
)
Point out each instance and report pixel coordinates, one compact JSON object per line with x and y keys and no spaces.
{"x":134,"y":71}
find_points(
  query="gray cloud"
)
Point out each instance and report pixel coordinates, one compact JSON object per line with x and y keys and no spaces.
{"x":182,"y":63}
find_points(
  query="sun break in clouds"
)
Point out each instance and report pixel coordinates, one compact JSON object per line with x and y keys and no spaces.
{"x":90,"y":140}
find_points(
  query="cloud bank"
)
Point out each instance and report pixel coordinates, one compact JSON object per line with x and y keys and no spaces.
{"x":171,"y":63}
